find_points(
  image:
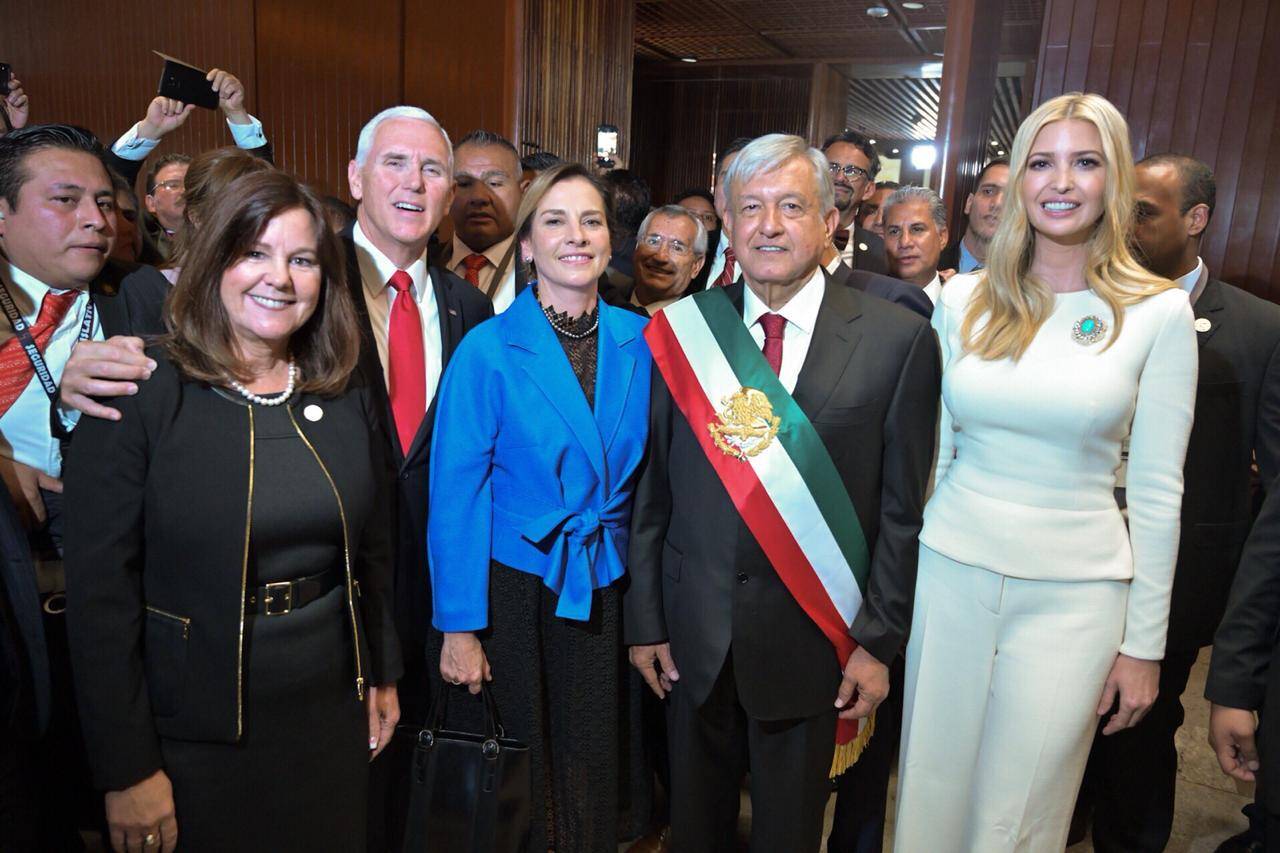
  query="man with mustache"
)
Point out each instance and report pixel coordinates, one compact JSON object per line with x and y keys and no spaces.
{"x":670,"y":250}
{"x":488,"y":189}
{"x":854,"y":164}
{"x":915,"y":230}
{"x":982,"y":207}
{"x":57,"y":222}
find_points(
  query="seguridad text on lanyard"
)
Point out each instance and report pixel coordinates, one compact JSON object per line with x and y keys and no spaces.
{"x":22,"y":330}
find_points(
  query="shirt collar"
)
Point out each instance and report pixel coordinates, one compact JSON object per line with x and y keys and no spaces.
{"x":19,"y":279}
{"x":723,"y":244}
{"x":494,"y":254}
{"x":376,"y":268}
{"x":1189,"y":281}
{"x":835,"y":263}
{"x":802,"y":309}
{"x":934,"y":289}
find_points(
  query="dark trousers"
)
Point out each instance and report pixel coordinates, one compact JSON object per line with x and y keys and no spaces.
{"x":710,"y":747}
{"x":1130,"y":779}
{"x":862,"y":791}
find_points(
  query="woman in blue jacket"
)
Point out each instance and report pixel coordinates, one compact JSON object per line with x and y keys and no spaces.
{"x":542,"y":423}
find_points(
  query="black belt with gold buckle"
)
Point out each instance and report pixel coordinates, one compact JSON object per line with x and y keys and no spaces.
{"x":277,"y":599}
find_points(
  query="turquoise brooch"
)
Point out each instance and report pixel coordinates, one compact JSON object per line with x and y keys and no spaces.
{"x":1089,"y":330}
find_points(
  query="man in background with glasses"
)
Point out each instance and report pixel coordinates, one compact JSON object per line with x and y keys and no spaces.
{"x":671,"y":247}
{"x":854,"y":165}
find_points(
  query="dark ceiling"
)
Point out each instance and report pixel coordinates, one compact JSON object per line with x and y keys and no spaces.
{"x":892,"y":92}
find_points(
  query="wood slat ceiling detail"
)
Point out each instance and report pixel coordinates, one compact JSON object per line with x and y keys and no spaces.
{"x":906,"y":108}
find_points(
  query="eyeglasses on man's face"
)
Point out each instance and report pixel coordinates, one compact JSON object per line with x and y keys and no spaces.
{"x":849,"y":171}
{"x":173,"y":185}
{"x":676,"y":247}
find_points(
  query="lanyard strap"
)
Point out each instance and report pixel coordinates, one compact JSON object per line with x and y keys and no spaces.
{"x":22,"y":330}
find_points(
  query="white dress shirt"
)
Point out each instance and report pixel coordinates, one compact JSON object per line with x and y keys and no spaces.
{"x":25,"y":434}
{"x":1193,"y":282}
{"x":506,"y":292}
{"x":131,"y":146}
{"x":801,"y":313}
{"x":933,"y":289}
{"x":717,"y":260}
{"x":376,"y":270}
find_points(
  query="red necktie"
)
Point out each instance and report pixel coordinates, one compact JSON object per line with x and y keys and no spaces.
{"x":727,"y":277}
{"x":841,"y":238}
{"x":406,"y":364}
{"x":474,"y":263}
{"x":773,"y":325}
{"x":15,"y":368}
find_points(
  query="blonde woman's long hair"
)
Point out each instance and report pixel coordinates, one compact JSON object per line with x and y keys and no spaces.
{"x":1009,"y":304}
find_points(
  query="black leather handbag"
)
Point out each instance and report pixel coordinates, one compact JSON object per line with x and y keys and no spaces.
{"x":468,"y":792}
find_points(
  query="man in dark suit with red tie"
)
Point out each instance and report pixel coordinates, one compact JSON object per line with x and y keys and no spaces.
{"x":413,"y":316}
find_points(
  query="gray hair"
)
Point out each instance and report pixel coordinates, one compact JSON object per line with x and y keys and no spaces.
{"x":771,"y":152}
{"x":365,"y":142}
{"x":904,"y":195}
{"x":676,"y":211}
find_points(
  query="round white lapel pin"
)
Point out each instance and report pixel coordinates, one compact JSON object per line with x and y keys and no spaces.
{"x":862,"y":247}
{"x":1203,"y":324}
{"x":313,"y":413}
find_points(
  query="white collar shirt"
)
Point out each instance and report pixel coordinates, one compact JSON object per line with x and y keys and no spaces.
{"x":376,"y":270}
{"x":717,"y":261}
{"x":933,"y":289}
{"x":1193,"y":282}
{"x":801,"y":313}
{"x":26,"y":436}
{"x":506,"y":292}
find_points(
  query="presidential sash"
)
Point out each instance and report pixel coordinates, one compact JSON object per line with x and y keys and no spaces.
{"x":775,"y":467}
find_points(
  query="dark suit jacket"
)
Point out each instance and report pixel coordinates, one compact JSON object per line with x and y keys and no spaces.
{"x":1243,"y":673}
{"x":441,"y":255}
{"x":24,"y":657}
{"x":1237,"y":416}
{"x":870,"y":385}
{"x":894,"y":290}
{"x":949,"y":257}
{"x":155,"y":562}
{"x":870,"y":259}
{"x":461,"y":308}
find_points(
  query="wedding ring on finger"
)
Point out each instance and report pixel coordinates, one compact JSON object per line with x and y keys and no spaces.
{"x":151,"y":840}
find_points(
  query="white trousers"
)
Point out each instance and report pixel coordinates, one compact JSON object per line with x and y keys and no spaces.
{"x":1003,"y":681}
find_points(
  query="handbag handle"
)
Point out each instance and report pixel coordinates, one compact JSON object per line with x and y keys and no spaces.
{"x":439,"y":712}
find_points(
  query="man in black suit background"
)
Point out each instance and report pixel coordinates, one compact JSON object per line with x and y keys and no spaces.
{"x":403,"y":178}
{"x":854,"y":164}
{"x":1131,"y":775}
{"x":747,"y":675}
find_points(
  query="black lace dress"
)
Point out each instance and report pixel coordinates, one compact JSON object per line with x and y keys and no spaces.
{"x":565,"y":688}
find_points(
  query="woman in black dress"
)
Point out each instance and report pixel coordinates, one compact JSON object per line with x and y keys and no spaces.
{"x":228,"y":553}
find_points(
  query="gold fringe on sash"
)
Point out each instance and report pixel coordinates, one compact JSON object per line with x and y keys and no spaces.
{"x":847,"y":754}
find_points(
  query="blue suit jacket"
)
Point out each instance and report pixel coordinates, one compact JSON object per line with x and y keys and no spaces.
{"x":524,"y":472}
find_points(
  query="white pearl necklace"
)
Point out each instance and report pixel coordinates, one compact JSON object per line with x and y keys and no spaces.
{"x":268,"y":401}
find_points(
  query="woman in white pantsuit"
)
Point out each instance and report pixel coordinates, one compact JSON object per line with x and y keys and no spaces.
{"x":1037,"y":610}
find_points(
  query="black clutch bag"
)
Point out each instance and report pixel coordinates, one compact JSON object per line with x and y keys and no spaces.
{"x":468,"y":792}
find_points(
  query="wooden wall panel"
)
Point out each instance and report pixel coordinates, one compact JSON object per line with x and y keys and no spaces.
{"x":682,"y":118}
{"x":91,"y":64}
{"x":462,"y":77}
{"x":1191,"y":76}
{"x":328,"y":72}
{"x":828,"y":103}
{"x":578,"y":73}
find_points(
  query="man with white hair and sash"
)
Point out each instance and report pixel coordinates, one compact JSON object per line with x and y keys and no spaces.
{"x":773,"y":550}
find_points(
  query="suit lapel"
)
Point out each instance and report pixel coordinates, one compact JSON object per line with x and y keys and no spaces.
{"x":615,"y":370}
{"x":1209,"y":307}
{"x":109,"y":302}
{"x":835,"y":337}
{"x":548,"y":368}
